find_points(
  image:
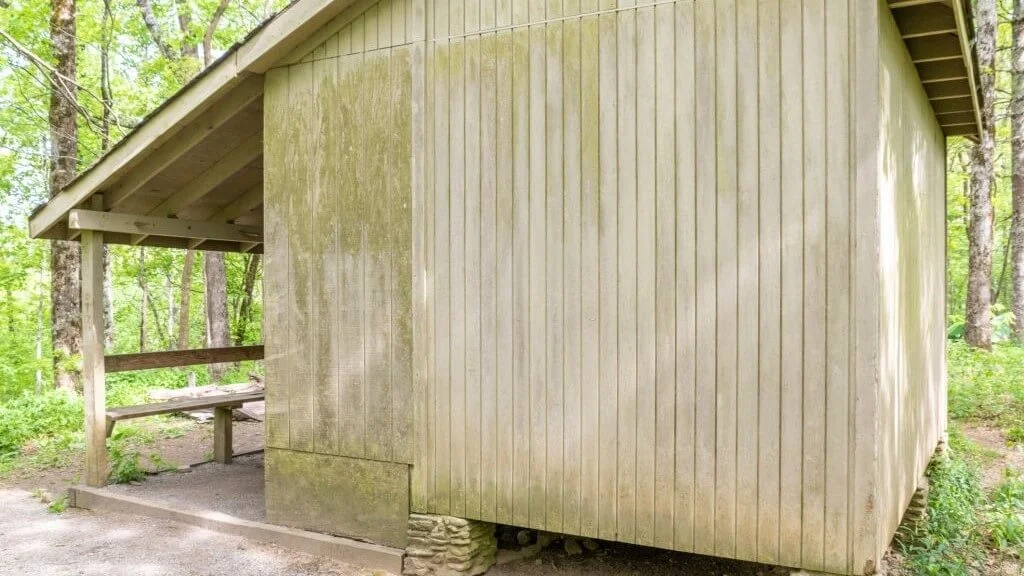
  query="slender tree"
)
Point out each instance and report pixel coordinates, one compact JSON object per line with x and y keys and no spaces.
{"x":1017,"y":147}
{"x":65,"y":257}
{"x":978,"y":329}
{"x":216,"y":308}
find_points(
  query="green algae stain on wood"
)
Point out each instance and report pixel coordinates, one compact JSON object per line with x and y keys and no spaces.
{"x":338,"y":495}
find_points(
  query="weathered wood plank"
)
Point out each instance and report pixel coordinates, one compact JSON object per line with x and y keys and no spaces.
{"x":572,"y":279}
{"x":686,"y":278}
{"x":725,"y":116}
{"x":420,"y":177}
{"x":472,"y":205}
{"x":442,"y":279}
{"x":814,"y":300}
{"x":590,"y":379}
{"x":300,"y":240}
{"x":791,"y":435}
{"x":608,"y":276}
{"x":747,"y":281}
{"x":325,"y":255}
{"x":275,"y":277}
{"x":537,"y":279}
{"x":646,"y":275}
{"x":373,"y":177}
{"x":705,"y":242}
{"x":93,"y":365}
{"x":664,"y":282}
{"x":838,"y":319}
{"x":769,"y":281}
{"x":554,"y":280}
{"x":491,"y":430}
{"x":520,"y":108}
{"x":627,"y":275}
{"x":400,"y":202}
{"x":457,"y":215}
{"x":351,"y":397}
{"x":183,"y":405}
{"x":507,"y":378}
{"x":222,"y":444}
{"x":177,"y":358}
{"x":100,"y":221}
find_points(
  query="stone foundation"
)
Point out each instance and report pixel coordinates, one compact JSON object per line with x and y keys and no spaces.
{"x":449,"y":546}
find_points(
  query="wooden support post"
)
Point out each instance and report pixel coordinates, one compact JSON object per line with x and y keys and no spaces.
{"x":222,"y":449}
{"x":93,"y":372}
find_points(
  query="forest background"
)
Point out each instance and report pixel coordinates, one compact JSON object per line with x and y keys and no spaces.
{"x":77,"y":75}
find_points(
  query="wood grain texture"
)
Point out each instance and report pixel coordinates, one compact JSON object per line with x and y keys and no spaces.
{"x":645,"y":242}
{"x":769,"y":281}
{"x":275,"y":278}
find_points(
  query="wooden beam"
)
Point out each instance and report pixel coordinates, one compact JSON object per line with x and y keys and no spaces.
{"x":153,"y":226}
{"x":948,"y":89}
{"x":956,"y":118}
{"x":960,"y":130}
{"x":919,"y":20}
{"x":187,"y":138}
{"x":934,"y":48}
{"x":233,"y":399}
{"x":942,"y":70}
{"x":247,"y":202}
{"x":176,"y":358}
{"x":227,"y":166}
{"x":222,"y":444}
{"x":93,"y":367}
{"x":953,"y":105}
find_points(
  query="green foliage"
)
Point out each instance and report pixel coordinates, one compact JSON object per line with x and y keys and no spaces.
{"x":949,"y":540}
{"x":30,"y":417}
{"x":124,"y":464}
{"x":59,"y":504}
{"x":1006,"y":524}
{"x":988,"y":386}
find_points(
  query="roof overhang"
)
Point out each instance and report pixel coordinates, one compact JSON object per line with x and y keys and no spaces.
{"x":196,"y":158}
{"x":939,"y":37}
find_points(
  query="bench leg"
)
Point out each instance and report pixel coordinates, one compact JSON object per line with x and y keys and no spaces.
{"x":222,"y":449}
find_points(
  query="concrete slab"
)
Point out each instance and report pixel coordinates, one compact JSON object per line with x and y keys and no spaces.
{"x":351,"y":551}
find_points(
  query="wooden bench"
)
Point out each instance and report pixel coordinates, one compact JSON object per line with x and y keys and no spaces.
{"x":222,"y":406}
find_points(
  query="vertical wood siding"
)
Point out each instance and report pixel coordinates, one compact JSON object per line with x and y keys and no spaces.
{"x":340,"y":276}
{"x":912,"y":398}
{"x":640,"y":231}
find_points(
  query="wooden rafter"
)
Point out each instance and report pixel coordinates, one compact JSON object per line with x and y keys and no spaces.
{"x":936,"y":34}
{"x":189,"y":137}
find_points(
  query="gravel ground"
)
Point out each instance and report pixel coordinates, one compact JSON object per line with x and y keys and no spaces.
{"x":235,"y":489}
{"x":78,"y":542}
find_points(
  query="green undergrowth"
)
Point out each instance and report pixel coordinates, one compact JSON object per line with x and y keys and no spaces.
{"x":965,"y":529}
{"x":46,"y":430}
{"x":988,"y":386}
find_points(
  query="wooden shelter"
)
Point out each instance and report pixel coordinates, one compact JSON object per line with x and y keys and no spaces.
{"x":665,"y":272}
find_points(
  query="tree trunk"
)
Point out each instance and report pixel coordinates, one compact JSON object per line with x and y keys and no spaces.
{"x":211,"y":29}
{"x":186,"y":298}
{"x":978,"y":330}
{"x":216,"y":308}
{"x":65,"y":257}
{"x":1017,"y":145}
{"x":252,"y":266}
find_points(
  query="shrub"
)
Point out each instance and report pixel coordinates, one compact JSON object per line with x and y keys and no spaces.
{"x":34,"y":416}
{"x":948,"y":540}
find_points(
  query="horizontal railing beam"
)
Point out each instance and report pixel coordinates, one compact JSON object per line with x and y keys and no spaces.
{"x":176,"y":358}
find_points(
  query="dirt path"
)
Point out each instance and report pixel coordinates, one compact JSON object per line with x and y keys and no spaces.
{"x":36,"y":542}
